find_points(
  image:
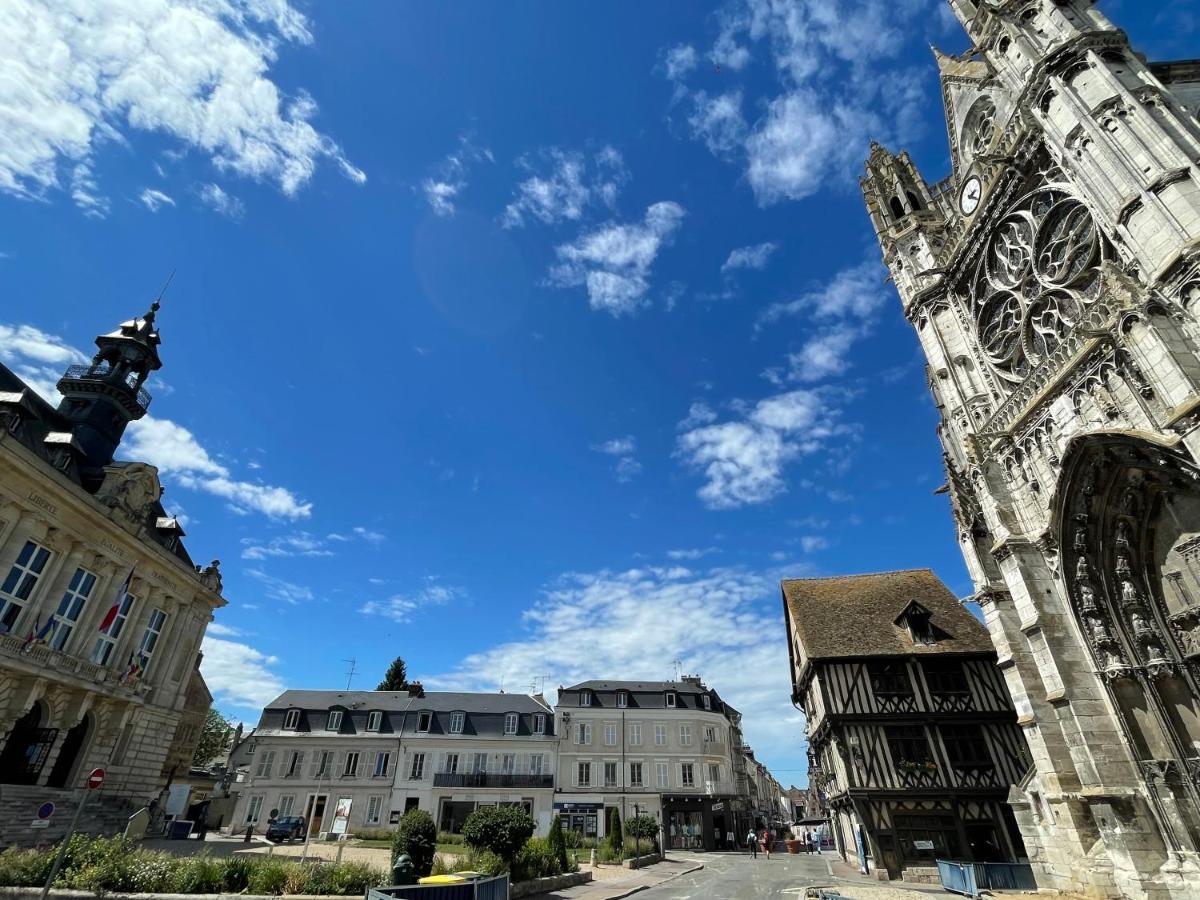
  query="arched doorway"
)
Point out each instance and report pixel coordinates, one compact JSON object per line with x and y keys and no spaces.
{"x":27,"y":747}
{"x":1128,"y":519}
{"x":69,"y":753}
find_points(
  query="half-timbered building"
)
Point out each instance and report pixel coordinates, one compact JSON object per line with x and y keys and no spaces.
{"x":911,"y":728}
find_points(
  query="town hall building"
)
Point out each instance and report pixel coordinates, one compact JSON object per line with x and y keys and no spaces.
{"x":1053,"y":280}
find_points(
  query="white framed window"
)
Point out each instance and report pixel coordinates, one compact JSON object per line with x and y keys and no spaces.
{"x":610,"y":774}
{"x":350,"y":768}
{"x":539,"y":723}
{"x":585,"y":698}
{"x":714,"y":773}
{"x":685,"y":735}
{"x":583,"y":733}
{"x":635,"y":734}
{"x":451,"y":767}
{"x":536,"y":762}
{"x":287,"y":802}
{"x":610,"y":734}
{"x":22,"y":578}
{"x":457,"y":720}
{"x":70,"y":606}
{"x":383,"y":760}
{"x":374,"y":720}
{"x":661,"y":775}
{"x":510,"y":723}
{"x":660,"y":735}
{"x":334,"y":722}
{"x":508,"y":764}
{"x":479,"y":764}
{"x":687,"y":775}
{"x":254,"y":809}
{"x":706,"y":701}
{"x":670,"y":699}
{"x":266,"y":762}
{"x":583,"y":774}
{"x":324,"y":763}
{"x":710,"y":734}
{"x":106,"y":640}
{"x":423,"y":721}
{"x":295,"y":764}
{"x":374,"y":808}
{"x":622,"y":699}
{"x":635,"y":774}
{"x":154,"y":629}
{"x":417,"y":770}
{"x":291,"y":720}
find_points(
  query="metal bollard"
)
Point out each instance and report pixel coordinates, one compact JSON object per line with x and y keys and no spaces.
{"x":249,"y":834}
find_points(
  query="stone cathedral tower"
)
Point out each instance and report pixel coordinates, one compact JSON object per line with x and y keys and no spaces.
{"x":1054,"y":283}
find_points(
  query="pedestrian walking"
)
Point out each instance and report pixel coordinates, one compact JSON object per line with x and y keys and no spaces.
{"x":752,"y":841}
{"x":766,"y":839}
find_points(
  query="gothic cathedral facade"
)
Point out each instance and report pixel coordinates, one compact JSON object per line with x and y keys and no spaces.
{"x":1054,"y":283}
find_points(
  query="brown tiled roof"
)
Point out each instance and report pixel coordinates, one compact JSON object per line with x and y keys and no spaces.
{"x":854,"y":615}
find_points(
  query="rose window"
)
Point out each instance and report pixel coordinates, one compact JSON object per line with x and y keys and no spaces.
{"x":1037,"y":276}
{"x":980,"y":131}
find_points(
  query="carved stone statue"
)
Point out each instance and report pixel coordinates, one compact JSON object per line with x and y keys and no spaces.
{"x":131,"y":491}
{"x":210,"y":576}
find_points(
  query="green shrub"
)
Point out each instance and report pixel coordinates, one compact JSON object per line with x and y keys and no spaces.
{"x":416,"y":835}
{"x":351,"y":878}
{"x":536,"y":859}
{"x":25,"y":868}
{"x":482,"y":861}
{"x":558,"y":842}
{"x":615,"y":838}
{"x":268,"y":876}
{"x":237,"y":874}
{"x":443,"y":865}
{"x":501,"y":829}
{"x":375,"y":834}
{"x":153,"y":873}
{"x":606,"y":854}
{"x":449,"y":837}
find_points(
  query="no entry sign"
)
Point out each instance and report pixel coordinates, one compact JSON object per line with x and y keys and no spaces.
{"x":95,"y":779}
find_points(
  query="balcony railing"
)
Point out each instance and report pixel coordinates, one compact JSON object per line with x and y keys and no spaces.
{"x":721,"y":788}
{"x":977,"y":775}
{"x":88,"y":373}
{"x":43,"y":657}
{"x":491,"y":780}
{"x":951,"y":701}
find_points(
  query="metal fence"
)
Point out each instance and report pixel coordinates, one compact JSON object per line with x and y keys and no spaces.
{"x":483,"y":889}
{"x":970,"y":878}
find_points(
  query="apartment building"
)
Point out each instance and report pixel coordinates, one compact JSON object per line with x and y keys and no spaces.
{"x":662,"y":748}
{"x":349,"y":760}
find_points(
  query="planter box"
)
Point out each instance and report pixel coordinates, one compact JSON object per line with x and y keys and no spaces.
{"x":545,"y":885}
{"x":793,"y":846}
{"x":638,"y":862}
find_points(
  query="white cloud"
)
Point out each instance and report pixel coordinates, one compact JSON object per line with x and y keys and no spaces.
{"x":813,"y":542}
{"x":824,"y":355}
{"x":402,"y":607}
{"x":218,"y":629}
{"x":39,"y":359}
{"x":239,"y":676}
{"x":627,"y":467}
{"x":613,"y":262}
{"x":566,"y":190}
{"x":450,"y":176}
{"x":723,"y":624}
{"x":216,"y":198}
{"x":680,"y":61}
{"x":699,"y":413}
{"x":755,"y":256}
{"x":743,"y":460}
{"x":155,"y":200}
{"x":691,"y":553}
{"x":718,"y":121}
{"x":300,"y":543}
{"x":83,"y":75}
{"x":275,"y":588}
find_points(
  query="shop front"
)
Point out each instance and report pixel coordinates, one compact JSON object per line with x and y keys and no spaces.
{"x":699,"y":823}
{"x":582,"y":818}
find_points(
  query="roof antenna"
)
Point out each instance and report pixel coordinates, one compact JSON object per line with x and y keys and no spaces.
{"x":350,"y":672}
{"x":166,"y":284}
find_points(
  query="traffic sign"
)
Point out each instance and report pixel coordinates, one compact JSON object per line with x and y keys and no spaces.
{"x":95,"y":779}
{"x":46,"y":810}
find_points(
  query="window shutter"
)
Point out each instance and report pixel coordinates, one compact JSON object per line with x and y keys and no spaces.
{"x":316,"y":764}
{"x":374,"y":758}
{"x":300,"y":762}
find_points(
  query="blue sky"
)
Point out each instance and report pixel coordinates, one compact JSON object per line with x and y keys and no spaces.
{"x":531,"y":342}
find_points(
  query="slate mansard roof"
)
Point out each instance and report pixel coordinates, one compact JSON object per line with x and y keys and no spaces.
{"x":643,"y":695}
{"x":855,"y":615}
{"x":484,"y":712}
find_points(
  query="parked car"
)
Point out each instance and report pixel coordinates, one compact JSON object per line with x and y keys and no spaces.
{"x":286,"y":828}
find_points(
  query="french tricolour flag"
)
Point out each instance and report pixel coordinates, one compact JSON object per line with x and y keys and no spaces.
{"x":111,"y":615}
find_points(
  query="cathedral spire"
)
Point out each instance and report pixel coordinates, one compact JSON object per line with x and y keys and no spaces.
{"x":102,"y":397}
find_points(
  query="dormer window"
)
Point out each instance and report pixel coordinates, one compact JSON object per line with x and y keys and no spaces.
{"x":291,"y":720}
{"x":539,"y":723}
{"x":424,"y":720}
{"x":510,"y":723}
{"x":585,"y":698}
{"x":706,"y":701}
{"x":456,"y":722}
{"x":334,"y":722}
{"x":670,"y":695}
{"x":622,"y":699}
{"x":374,"y":720}
{"x":917,"y":621}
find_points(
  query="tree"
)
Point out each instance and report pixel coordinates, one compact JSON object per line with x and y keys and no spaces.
{"x":500,"y":829}
{"x":558,"y":842}
{"x":214,"y":738}
{"x":416,"y":835}
{"x":396,"y":678}
{"x":642,"y":828}
{"x":616,"y":840}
